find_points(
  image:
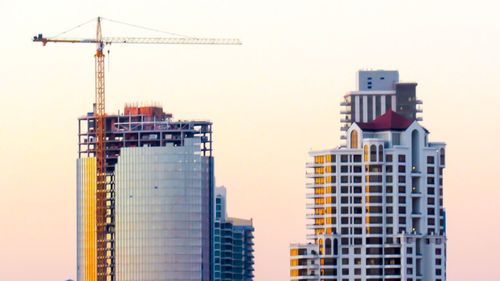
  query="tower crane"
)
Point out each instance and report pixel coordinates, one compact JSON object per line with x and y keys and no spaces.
{"x":104,"y":268}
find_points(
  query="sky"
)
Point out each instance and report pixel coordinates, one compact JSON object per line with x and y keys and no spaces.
{"x":271,"y":100}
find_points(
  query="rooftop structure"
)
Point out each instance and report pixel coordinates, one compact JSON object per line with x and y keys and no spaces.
{"x":378,"y":92}
{"x":140,"y":126}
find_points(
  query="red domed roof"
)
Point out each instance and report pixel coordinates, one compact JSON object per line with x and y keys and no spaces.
{"x":389,"y":121}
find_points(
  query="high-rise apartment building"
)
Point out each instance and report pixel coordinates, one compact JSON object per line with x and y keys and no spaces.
{"x":233,"y":244}
{"x":375,"y":206}
{"x":159,"y":197}
{"x":378,"y":92}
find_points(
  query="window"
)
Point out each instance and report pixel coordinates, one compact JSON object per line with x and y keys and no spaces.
{"x":388,"y":158}
{"x":354,"y":139}
{"x":380,"y":153}
{"x":430,"y":159}
{"x":328,"y":246}
{"x":343,"y":158}
{"x":374,"y":251}
{"x":441,"y":157}
{"x":401,"y":158}
{"x":388,"y":169}
{"x":430,"y":180}
{"x":373,"y":153}
{"x":365,"y":153}
{"x":401,"y":169}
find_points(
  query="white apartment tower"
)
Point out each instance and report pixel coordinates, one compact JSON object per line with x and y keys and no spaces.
{"x":376,"y":206}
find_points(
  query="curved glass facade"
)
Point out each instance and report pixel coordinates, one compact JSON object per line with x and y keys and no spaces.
{"x":159,"y":212}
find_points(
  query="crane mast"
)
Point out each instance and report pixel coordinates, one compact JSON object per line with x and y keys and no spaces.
{"x":104,"y":204}
{"x":102,"y":230}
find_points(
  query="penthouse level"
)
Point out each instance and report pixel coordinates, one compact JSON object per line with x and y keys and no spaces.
{"x":140,"y":126}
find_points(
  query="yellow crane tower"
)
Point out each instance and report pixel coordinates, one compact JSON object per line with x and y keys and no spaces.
{"x":104,"y":264}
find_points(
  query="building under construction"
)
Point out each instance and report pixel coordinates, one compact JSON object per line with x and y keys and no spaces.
{"x":159,"y":198}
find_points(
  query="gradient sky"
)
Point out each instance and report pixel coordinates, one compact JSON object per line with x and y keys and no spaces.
{"x":271,"y":101}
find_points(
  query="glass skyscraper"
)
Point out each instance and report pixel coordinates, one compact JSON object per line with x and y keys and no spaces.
{"x":233,"y":244}
{"x":159,"y":197}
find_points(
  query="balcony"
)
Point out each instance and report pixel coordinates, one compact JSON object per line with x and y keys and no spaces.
{"x":305,"y":277}
{"x":314,"y":195}
{"x":314,"y":216}
{"x":313,"y":185}
{"x":346,"y":120}
{"x":416,"y":213}
{"x":345,"y":103}
{"x":314,"y":175}
{"x":314,"y":165}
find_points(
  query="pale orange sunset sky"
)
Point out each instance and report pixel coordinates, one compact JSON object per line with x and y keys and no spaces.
{"x":271,"y":100}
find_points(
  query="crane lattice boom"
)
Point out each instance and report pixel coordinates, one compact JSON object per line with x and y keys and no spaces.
{"x":143,"y":40}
